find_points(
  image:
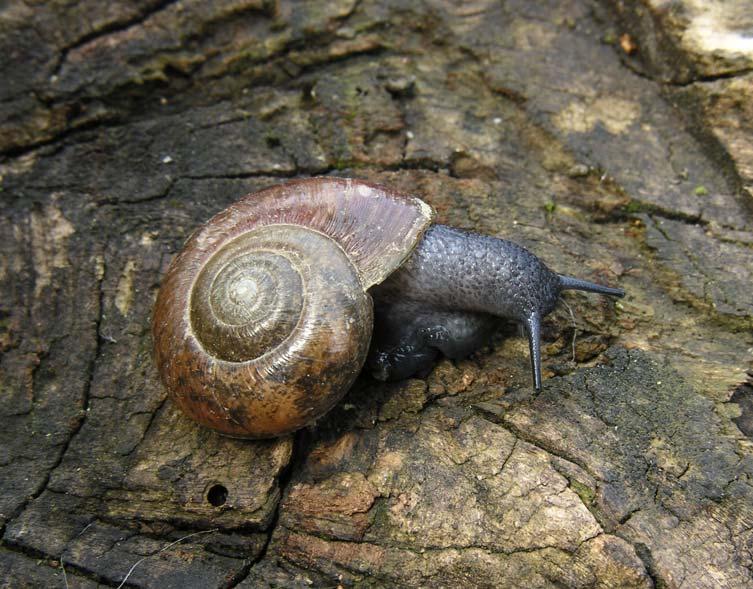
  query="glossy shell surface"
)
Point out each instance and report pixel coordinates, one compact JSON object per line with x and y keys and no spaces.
{"x":263,"y":322}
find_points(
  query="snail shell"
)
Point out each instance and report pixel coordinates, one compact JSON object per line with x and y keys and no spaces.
{"x":263,"y":321}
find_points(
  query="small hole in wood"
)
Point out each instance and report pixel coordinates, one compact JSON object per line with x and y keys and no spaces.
{"x":217,"y":495}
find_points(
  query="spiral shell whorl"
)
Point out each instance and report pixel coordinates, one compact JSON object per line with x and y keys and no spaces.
{"x":249,"y":296}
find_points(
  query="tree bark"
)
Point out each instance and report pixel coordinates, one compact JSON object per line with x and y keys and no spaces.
{"x":613,"y":139}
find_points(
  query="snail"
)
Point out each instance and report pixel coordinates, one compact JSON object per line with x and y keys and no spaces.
{"x":265,"y":318}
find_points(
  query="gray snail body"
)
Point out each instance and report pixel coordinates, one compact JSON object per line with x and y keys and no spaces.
{"x":448,"y":293}
{"x":266,"y":317}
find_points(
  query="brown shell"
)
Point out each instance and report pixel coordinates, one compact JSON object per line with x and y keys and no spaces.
{"x":263,"y":321}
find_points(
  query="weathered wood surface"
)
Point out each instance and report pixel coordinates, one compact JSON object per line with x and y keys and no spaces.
{"x":612,"y":138}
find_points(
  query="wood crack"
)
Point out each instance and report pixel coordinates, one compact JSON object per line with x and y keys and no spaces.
{"x":110,"y":28}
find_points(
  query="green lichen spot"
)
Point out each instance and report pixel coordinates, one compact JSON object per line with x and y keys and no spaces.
{"x":632,"y":207}
{"x":586,"y":494}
